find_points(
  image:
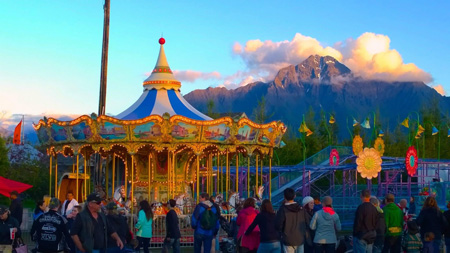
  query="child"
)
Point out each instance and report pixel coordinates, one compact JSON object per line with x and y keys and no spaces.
{"x":411,"y":241}
{"x":428,"y":244}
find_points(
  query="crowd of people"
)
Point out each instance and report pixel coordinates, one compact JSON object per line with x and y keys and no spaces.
{"x":312,"y":226}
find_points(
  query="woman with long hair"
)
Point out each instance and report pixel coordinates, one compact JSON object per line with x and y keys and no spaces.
{"x":325,"y":222}
{"x":144,"y":226}
{"x":269,"y":236}
{"x":248,"y":243}
{"x":432,"y":220}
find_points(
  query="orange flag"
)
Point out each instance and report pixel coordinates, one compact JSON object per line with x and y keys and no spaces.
{"x":17,"y":133}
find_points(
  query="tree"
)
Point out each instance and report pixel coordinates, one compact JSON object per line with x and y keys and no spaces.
{"x":211,"y":108}
{"x":260,"y":112}
{"x":4,"y":162}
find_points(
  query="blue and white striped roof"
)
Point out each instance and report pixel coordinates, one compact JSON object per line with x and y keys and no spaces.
{"x":161,"y":94}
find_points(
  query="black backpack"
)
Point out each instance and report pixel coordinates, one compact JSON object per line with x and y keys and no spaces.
{"x":208,"y":219}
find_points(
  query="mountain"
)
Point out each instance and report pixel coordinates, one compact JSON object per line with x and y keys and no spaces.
{"x":323,"y":83}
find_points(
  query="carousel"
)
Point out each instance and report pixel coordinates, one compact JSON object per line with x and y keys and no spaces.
{"x":159,"y":148}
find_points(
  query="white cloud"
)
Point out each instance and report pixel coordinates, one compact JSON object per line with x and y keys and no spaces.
{"x":191,"y":75}
{"x":440,"y":89}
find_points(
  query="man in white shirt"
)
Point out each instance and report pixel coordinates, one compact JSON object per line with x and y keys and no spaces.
{"x":68,"y":204}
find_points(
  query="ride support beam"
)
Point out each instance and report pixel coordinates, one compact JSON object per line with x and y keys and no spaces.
{"x":106,"y":178}
{"x":50,"y":176}
{"x":85,"y":173}
{"x":113,"y":174}
{"x":198,"y":179}
{"x":78,"y":171}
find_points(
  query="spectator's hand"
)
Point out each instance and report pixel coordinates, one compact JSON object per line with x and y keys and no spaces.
{"x":120,"y":244}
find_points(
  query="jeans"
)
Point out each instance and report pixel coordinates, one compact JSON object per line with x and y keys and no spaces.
{"x":143,"y":243}
{"x":447,"y":245}
{"x":292,"y":249}
{"x":200,"y":239}
{"x":269,"y":247}
{"x":392,"y":244}
{"x":361,"y":246}
{"x":171,"y":243}
{"x":327,"y":248}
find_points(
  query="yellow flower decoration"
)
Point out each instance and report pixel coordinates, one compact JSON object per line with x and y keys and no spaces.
{"x":379,"y":146}
{"x":369,"y":163}
{"x":357,"y":145}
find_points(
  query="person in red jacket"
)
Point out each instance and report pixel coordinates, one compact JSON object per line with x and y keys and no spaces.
{"x":248,"y":243}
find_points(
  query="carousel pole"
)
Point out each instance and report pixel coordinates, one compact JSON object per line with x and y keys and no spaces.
{"x":78,"y":170}
{"x":270,"y":177}
{"x":237,"y":171}
{"x":106,"y":178}
{"x":174,"y":188}
{"x":113,"y":174}
{"x":248,"y":176}
{"x":221,"y":182}
{"x":132,"y":188}
{"x":56,"y":176}
{"x":227,"y":181}
{"x":262,"y":170}
{"x":84,"y":169}
{"x":218,"y":173}
{"x":50,"y":176}
{"x":169,"y":186}
{"x":125,"y":176}
{"x":149,"y":175}
{"x":211,"y":175}
{"x":256,"y":164}
{"x":198,"y":179}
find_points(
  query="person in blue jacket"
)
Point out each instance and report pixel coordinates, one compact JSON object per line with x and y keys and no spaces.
{"x":205,"y":223}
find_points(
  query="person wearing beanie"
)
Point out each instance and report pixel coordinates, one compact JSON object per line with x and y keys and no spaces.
{"x":326,"y":222}
{"x":308,"y":206}
{"x":50,"y":229}
{"x":411,"y":241}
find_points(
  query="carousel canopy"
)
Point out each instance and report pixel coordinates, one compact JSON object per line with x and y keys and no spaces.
{"x":161,"y":94}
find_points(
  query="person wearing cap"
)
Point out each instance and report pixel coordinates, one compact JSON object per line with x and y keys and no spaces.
{"x":68,"y":204}
{"x":308,"y":205}
{"x":119,"y":223}
{"x":50,"y":229}
{"x":91,"y":229}
{"x":326,"y":223}
{"x":16,"y":208}
{"x":7,"y":223}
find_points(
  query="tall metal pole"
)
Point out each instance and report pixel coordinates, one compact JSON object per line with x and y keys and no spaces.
{"x":104,"y":66}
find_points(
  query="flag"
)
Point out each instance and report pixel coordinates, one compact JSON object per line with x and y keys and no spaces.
{"x":405,"y":123}
{"x":420,"y":130}
{"x":17,"y":133}
{"x":304,"y":129}
{"x":381,"y":133}
{"x":332,"y":120}
{"x":355,"y":122}
{"x":434,"y":131}
{"x":366,"y":124}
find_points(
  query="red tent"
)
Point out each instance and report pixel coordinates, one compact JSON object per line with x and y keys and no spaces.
{"x":7,"y":186}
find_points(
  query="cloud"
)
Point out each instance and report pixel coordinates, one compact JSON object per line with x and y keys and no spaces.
{"x":9,"y":121}
{"x":269,"y":56}
{"x":369,"y":56}
{"x":440,"y":89}
{"x":191,"y":75}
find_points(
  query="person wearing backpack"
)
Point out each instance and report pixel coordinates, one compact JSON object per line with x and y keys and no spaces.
{"x":205,"y":223}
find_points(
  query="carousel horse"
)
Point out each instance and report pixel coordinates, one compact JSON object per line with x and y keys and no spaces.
{"x":219,"y":199}
{"x":119,"y":196}
{"x":234,"y":201}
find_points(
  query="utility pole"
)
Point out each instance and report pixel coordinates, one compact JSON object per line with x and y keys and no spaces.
{"x":104,"y":68}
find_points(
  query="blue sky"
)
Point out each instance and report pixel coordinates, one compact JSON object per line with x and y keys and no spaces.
{"x":50,"y":50}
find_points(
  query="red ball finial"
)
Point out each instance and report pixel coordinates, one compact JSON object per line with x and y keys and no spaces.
{"x":162,"y":41}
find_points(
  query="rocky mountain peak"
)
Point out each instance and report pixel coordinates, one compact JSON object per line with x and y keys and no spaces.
{"x":315,"y":67}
